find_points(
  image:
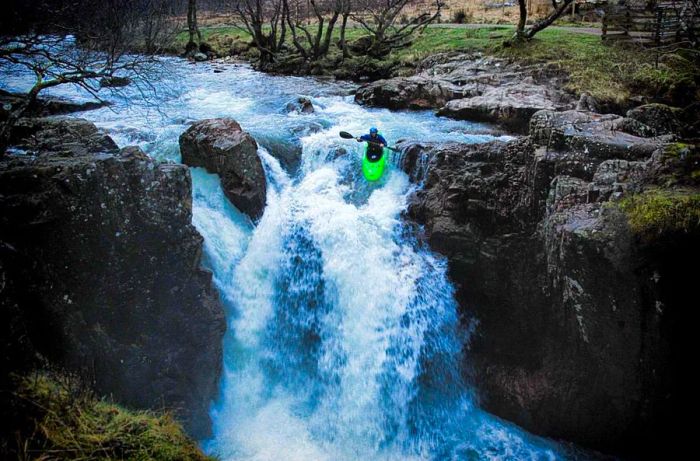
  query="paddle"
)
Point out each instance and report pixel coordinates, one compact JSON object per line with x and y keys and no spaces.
{"x":346,"y":135}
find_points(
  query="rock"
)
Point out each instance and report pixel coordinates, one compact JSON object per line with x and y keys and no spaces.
{"x":415,"y":92}
{"x":101,"y":266}
{"x":199,"y":57}
{"x":61,"y":136}
{"x":587,"y":103}
{"x":114,"y":82}
{"x":301,"y":105}
{"x":575,"y":336}
{"x":45,"y":106}
{"x":661,"y":118}
{"x":473,"y":87}
{"x":511,"y":105}
{"x":221,"y":146}
{"x":288,"y":152}
{"x":592,"y":135}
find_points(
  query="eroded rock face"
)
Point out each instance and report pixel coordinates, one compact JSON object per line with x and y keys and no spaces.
{"x":579,"y":320}
{"x":101,"y":272}
{"x":221,"y":146}
{"x":593,"y":135}
{"x":471,"y":87}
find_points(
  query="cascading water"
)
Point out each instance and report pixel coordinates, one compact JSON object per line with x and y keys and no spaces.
{"x":344,"y":341}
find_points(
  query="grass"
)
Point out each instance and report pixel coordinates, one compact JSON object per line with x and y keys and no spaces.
{"x":609,"y":73}
{"x":70,"y":423}
{"x":657,"y":212}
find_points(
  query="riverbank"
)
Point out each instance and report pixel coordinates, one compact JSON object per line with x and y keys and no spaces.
{"x":616,"y":76}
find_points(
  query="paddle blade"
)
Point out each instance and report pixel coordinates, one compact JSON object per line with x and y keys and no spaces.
{"x":346,"y":135}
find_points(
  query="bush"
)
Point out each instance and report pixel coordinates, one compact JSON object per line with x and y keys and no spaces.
{"x":461,"y":17}
{"x":62,"y":418}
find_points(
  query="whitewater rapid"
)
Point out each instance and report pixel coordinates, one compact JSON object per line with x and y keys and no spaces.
{"x":344,"y":340}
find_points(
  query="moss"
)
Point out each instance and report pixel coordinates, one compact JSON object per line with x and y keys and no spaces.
{"x":70,"y":423}
{"x":657,"y":212}
{"x":677,"y":149}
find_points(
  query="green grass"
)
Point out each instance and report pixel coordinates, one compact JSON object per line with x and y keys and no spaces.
{"x":69,"y":423}
{"x":610,"y":73}
{"x":657,"y":212}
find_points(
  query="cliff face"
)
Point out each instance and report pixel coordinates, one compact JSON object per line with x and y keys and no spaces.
{"x":578,"y":289}
{"x":101,"y":270}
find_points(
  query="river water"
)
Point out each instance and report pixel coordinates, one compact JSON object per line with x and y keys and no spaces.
{"x":343,"y":339}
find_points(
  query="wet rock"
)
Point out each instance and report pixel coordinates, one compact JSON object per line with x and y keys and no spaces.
{"x":45,"y":106}
{"x":301,"y":105}
{"x":60,"y":136}
{"x":661,"y":118}
{"x":575,"y":338}
{"x":221,"y":146}
{"x":102,"y":266}
{"x":199,"y":57}
{"x":114,"y":82}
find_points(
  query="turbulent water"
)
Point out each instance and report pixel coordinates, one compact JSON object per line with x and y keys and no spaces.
{"x":343,"y":338}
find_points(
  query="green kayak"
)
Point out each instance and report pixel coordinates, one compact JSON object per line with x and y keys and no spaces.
{"x":373,"y":170}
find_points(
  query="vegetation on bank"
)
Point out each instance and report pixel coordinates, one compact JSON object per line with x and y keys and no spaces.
{"x":62,"y":420}
{"x":657,"y":212}
{"x":610,"y":73}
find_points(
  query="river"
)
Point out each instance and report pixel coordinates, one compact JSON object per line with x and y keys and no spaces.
{"x":344,"y":340}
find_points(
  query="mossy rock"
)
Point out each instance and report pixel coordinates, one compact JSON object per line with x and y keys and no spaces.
{"x":657,"y":212}
{"x":62,"y":417}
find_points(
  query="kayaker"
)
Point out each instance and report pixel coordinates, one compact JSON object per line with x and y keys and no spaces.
{"x":375,"y":144}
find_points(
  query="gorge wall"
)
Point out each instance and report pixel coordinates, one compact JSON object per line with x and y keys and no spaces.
{"x":569,"y":246}
{"x":100,"y":270}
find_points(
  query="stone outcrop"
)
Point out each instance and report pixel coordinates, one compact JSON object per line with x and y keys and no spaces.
{"x":580,"y":332}
{"x":222,"y":147}
{"x":46,"y":106}
{"x":100,"y":270}
{"x":471,"y":87}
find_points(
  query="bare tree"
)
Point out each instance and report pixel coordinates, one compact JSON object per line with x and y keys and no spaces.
{"x":77,"y":44}
{"x":380,"y":18}
{"x":522,"y":33}
{"x":265,"y":21}
{"x":192,"y":26}
{"x":303,"y":16}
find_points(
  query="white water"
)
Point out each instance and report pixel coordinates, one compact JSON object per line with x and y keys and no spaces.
{"x":343,"y":339}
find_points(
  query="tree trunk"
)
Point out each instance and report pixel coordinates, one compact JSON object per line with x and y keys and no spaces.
{"x":520,"y":29}
{"x":329,"y":32}
{"x":546,"y":22}
{"x":343,"y":44}
{"x":192,"y":22}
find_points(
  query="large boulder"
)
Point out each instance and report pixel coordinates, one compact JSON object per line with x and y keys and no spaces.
{"x":511,"y":105}
{"x":60,"y":136}
{"x":593,"y":135}
{"x":222,"y":147}
{"x":416,"y":92}
{"x":580,"y":318}
{"x":100,"y":270}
